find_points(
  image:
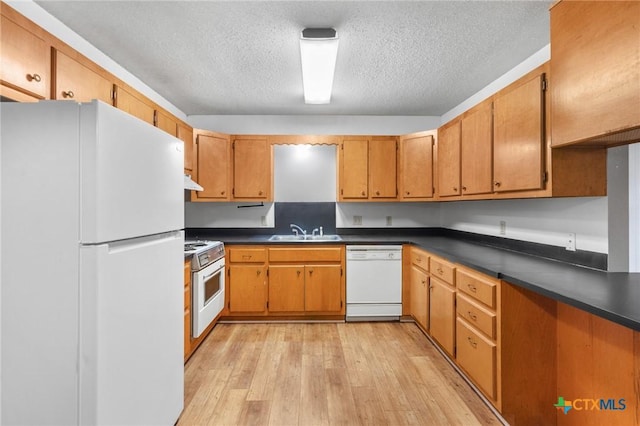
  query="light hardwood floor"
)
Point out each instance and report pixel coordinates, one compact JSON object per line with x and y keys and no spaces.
{"x":325,"y":374}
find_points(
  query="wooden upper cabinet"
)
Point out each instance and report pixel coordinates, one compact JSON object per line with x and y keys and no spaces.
{"x":595,"y":72}
{"x":74,"y":81}
{"x":476,"y":148}
{"x":212,"y":170}
{"x":24,"y":62}
{"x":382,"y":167}
{"x":519,"y":141}
{"x":448,"y":164}
{"x":185,"y":134}
{"x":167,"y":123}
{"x":252,"y":168}
{"x":416,"y":167}
{"x":354,"y":168}
{"x":134,"y":104}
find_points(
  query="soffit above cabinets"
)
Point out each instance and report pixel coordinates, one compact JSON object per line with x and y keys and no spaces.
{"x":243,"y":58}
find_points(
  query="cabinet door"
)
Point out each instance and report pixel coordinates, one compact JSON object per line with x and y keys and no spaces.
{"x":476,"y":151}
{"x":442,"y":314}
{"x":323,"y":288}
{"x":354,"y":169}
{"x":251,"y":169}
{"x":518,"y":144}
{"x":382,"y":168}
{"x":76,"y":82}
{"x":134,"y":105}
{"x":187,"y":309}
{"x":416,"y":165}
{"x":286,"y":288}
{"x":595,"y":71}
{"x":167,"y":123}
{"x":247,"y":288}
{"x":449,"y":160}
{"x":213,"y":167}
{"x":185,"y":134}
{"x":24,"y":60}
{"x":419,"y":297}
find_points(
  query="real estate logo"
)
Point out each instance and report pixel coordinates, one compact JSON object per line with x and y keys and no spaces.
{"x":590,"y":404}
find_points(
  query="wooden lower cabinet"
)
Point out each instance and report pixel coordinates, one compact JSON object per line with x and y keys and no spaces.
{"x":286,"y":281}
{"x":419,"y":283}
{"x":597,"y":360}
{"x":477,"y":355}
{"x":187,"y":309}
{"x":248,"y":289}
{"x":442,"y":314}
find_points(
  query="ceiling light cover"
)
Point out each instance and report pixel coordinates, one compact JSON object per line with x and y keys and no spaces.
{"x":318,"y":51}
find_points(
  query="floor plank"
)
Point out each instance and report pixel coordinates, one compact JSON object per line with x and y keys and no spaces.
{"x":325,"y":374}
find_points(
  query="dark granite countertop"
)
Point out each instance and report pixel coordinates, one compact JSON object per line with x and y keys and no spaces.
{"x":611,"y":295}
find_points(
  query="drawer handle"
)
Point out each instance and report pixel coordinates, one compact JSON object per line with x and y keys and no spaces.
{"x":68,"y":94}
{"x":418,"y":259}
{"x":34,"y":77}
{"x":440,"y":271}
{"x":246,"y":256}
{"x":472,"y":316}
{"x":472,"y":342}
{"x":472,"y":287}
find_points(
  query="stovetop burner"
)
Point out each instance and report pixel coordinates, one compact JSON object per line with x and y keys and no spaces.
{"x":193,"y":246}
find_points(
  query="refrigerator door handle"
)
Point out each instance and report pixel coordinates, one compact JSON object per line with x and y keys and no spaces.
{"x":141,"y":242}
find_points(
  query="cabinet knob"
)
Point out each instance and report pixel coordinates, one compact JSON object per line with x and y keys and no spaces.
{"x":472,"y":316}
{"x":497,"y":184}
{"x":377,"y":192}
{"x":259,"y":192}
{"x":364,"y":193}
{"x":298,"y":272}
{"x":222,"y":192}
{"x":310,"y":271}
{"x":472,"y":342}
{"x":455,"y":189}
{"x":464,"y":188}
{"x":408,"y":193}
{"x":34,"y":77}
{"x":258,"y":272}
{"x":68,"y":94}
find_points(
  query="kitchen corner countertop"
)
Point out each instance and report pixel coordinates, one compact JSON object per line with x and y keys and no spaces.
{"x":611,"y":295}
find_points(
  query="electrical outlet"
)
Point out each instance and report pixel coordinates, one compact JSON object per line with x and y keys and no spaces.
{"x":357,"y":220}
{"x":571,"y":242}
{"x":263,"y":220}
{"x":503,"y":227}
{"x":389,"y":221}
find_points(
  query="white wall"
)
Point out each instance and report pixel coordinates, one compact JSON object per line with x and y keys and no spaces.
{"x":304,"y":173}
{"x":314,"y":124}
{"x":41,"y":17}
{"x":228,"y":215}
{"x":374,"y":215}
{"x":545,"y":221}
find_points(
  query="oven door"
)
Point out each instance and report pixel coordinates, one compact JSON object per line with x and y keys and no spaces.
{"x":208,"y":296}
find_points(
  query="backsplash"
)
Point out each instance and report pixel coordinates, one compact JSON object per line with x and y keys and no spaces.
{"x":306,"y":215}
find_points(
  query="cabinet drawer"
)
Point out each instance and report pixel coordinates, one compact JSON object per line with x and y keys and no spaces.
{"x":483,"y":319}
{"x":247,"y":255}
{"x":480,"y":287}
{"x":477,"y":356}
{"x":293,"y":254}
{"x":420,"y":259}
{"x":442,"y":269}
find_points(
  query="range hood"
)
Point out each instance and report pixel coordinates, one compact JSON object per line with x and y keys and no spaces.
{"x":190,"y":184}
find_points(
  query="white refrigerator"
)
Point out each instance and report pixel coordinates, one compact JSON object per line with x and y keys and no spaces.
{"x":92,"y":267}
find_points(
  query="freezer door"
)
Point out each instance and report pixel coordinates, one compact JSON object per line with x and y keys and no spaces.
{"x":131,"y":332}
{"x":131,"y":176}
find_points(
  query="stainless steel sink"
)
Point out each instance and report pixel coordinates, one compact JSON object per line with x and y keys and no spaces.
{"x":305,"y":238}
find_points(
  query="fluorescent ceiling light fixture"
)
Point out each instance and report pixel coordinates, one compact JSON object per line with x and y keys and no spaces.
{"x":318,"y":50}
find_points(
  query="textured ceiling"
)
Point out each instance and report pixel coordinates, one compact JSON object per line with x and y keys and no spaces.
{"x":243,"y":57}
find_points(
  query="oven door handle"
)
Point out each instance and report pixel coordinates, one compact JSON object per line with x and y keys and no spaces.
{"x":206,"y":278}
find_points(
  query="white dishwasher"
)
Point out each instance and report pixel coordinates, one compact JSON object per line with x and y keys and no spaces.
{"x":374,"y":282}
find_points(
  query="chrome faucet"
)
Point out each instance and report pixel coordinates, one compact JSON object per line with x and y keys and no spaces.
{"x":297,"y":230}
{"x":319,"y":231}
